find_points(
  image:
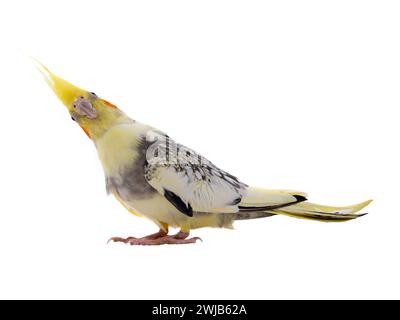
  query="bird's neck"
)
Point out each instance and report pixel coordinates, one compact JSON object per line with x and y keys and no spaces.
{"x":118,"y":147}
{"x":106,"y":119}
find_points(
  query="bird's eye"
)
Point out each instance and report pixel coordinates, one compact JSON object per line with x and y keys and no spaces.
{"x":73,"y":119}
{"x":93,"y":94}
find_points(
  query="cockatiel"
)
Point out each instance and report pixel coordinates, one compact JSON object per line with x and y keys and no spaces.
{"x":170,"y":184}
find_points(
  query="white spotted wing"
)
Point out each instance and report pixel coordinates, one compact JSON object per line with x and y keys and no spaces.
{"x":201,"y":185}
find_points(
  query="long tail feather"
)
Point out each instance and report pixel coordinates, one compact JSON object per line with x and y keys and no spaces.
{"x":259,"y":203}
{"x":308,"y":210}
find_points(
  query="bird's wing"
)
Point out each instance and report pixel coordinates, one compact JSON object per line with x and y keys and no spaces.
{"x":189,"y":181}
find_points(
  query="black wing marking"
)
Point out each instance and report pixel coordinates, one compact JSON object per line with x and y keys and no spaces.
{"x":178,"y":203}
{"x":298,"y":198}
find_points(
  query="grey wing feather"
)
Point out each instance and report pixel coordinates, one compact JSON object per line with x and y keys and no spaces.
{"x":196,"y":180}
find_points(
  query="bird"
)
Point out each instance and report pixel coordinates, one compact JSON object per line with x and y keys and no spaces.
{"x":173,"y":186}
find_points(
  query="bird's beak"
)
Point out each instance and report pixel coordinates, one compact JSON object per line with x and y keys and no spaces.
{"x":65,"y":91}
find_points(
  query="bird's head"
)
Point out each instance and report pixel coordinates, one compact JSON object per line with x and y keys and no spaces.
{"x":93,"y":114}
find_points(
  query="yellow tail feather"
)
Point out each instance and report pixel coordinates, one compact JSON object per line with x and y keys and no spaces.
{"x":308,"y":210}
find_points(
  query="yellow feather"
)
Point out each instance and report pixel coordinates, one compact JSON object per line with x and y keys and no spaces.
{"x":125,"y":206}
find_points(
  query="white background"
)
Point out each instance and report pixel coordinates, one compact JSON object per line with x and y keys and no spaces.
{"x":283,"y":94}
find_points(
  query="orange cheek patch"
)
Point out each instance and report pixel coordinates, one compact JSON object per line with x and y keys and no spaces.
{"x":109,"y":104}
{"x":87,"y":132}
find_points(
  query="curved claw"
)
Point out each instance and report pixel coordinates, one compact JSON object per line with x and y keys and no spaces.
{"x":119,"y":239}
{"x":198,"y":238}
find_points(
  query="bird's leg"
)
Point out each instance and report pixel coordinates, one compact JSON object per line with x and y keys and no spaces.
{"x":161,"y":233}
{"x":179,"y":238}
{"x":158,"y":238}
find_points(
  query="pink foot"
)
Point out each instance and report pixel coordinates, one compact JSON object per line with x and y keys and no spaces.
{"x":163,"y":240}
{"x":152,"y":240}
{"x":153,"y":236}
